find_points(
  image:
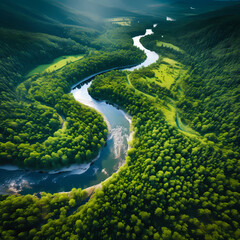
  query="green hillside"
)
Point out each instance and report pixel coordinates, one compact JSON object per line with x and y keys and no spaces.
{"x":211,"y":91}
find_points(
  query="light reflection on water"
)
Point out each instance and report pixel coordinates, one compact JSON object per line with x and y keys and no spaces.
{"x":82,"y":176}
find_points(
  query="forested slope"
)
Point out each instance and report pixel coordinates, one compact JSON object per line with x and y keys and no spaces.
{"x":24,"y":121}
{"x":40,"y":127}
{"x":211,"y":92}
{"x":22,"y":51}
{"x":27,"y":143}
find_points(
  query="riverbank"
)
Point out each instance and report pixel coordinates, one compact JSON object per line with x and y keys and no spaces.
{"x":111,"y":158}
{"x":101,"y":72}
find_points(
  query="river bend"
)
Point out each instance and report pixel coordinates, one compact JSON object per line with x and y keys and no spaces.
{"x":111,"y":157}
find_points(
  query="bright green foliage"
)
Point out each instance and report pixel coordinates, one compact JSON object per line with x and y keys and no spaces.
{"x":140,"y":80}
{"x":185,"y":181}
{"x":31,"y":136}
{"x":25,"y":214}
{"x":210,"y":103}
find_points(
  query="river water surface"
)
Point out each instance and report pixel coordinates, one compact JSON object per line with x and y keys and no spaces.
{"x":111,"y":157}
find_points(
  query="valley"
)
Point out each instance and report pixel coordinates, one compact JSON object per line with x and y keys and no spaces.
{"x":55,"y":65}
{"x":126,"y":133}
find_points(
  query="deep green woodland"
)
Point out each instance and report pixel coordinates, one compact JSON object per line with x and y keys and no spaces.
{"x":181,"y":177}
{"x":34,"y":109}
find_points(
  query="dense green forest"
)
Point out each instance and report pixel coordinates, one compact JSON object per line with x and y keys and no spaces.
{"x":81,"y":136}
{"x":31,"y":210}
{"x":176,"y":183}
{"x":40,"y":125}
{"x":25,"y":122}
{"x":210,"y":103}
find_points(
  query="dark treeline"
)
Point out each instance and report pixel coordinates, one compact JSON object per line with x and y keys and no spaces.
{"x":24,"y":122}
{"x":22,"y":51}
{"x":118,"y":37}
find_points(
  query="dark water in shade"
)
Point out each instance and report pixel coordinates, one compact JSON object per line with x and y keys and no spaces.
{"x":82,"y":176}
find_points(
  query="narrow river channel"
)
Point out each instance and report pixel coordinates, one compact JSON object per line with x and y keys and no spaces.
{"x":82,"y":176}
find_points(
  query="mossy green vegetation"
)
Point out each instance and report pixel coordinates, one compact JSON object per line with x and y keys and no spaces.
{"x":210,"y":100}
{"x":169,"y":45}
{"x":144,"y":80}
{"x":25,"y":123}
{"x":184,"y":196}
{"x":168,"y":72}
{"x":55,"y":65}
{"x":190,"y":187}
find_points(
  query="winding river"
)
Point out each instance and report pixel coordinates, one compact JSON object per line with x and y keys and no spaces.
{"x":111,"y":157}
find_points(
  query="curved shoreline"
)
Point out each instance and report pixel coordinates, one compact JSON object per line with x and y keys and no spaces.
{"x":99,"y":73}
{"x":85,"y":166}
{"x":90,"y":190}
